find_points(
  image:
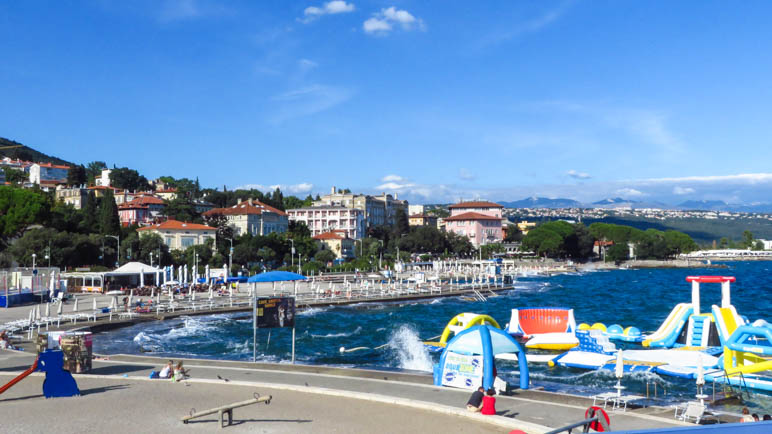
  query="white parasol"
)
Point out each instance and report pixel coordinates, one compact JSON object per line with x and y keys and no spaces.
{"x":619,"y":372}
{"x":93,"y":304}
{"x":75,"y":306}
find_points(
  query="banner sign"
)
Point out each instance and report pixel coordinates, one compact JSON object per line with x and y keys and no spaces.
{"x":275,"y":312}
{"x":462,"y":371}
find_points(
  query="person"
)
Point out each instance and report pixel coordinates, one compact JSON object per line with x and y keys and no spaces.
{"x":475,"y":401}
{"x":755,"y":417}
{"x":746,"y":417}
{"x":4,"y":341}
{"x":179,"y":372}
{"x":489,"y":403}
{"x":767,"y":417}
{"x":167,"y":370}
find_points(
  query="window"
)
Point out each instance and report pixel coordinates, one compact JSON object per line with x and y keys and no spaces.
{"x":169,"y":241}
{"x":188,"y":241}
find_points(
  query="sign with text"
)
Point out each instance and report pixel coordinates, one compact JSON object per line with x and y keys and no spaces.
{"x":275,"y":312}
{"x":462,"y":371}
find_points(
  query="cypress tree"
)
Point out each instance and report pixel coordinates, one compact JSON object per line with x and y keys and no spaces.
{"x":109,"y":223}
{"x":90,"y":223}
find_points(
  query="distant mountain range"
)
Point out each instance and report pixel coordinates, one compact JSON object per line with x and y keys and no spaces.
{"x":617,"y":202}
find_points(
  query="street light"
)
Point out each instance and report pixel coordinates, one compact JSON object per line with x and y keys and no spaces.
{"x":292,"y":256}
{"x":151,"y":259}
{"x":48,"y":253}
{"x":380,"y":256}
{"x":230,"y":260}
{"x":34,"y":273}
{"x":117,"y":237}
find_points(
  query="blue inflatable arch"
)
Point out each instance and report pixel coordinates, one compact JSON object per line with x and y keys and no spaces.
{"x":487,"y":341}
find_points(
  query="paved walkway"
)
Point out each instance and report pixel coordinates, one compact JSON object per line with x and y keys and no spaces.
{"x":413,"y":394}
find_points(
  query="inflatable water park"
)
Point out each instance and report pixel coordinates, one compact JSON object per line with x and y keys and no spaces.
{"x":716,"y":345}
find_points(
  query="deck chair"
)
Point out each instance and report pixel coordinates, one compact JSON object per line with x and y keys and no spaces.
{"x":693,"y":410}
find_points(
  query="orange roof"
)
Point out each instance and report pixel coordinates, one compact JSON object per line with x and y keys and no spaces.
{"x":104,"y":187}
{"x":53,"y":166}
{"x":472,"y":216}
{"x":602,"y":243}
{"x":243,"y":208}
{"x":332,"y":235}
{"x":167,"y":190}
{"x":177,"y":225}
{"x":481,"y":204}
{"x":146,"y":200}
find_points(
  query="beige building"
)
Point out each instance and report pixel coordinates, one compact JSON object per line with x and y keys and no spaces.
{"x":75,"y":196}
{"x":378,"y":210}
{"x":252,"y":217}
{"x":336,"y":242}
{"x":326,"y":218}
{"x":422,"y":220}
{"x":179,"y":235}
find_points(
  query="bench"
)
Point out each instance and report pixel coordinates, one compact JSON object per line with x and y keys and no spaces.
{"x":226,"y":410}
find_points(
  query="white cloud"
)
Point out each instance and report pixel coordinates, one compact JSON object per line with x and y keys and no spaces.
{"x":394,"y":186}
{"x":682,"y":190}
{"x":311,"y":13}
{"x":629,"y":192}
{"x":392,"y":178}
{"x":741,"y":178}
{"x":308,"y":100}
{"x":466,"y":174}
{"x":384,"y":21}
{"x":578,"y":175}
{"x":532,"y":25}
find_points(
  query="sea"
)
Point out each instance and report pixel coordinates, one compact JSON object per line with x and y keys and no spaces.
{"x":389,"y":335}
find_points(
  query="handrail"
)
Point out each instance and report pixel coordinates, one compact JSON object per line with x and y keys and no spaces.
{"x":568,"y":428}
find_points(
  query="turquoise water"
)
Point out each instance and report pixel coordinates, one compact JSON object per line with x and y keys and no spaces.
{"x":641,"y":298}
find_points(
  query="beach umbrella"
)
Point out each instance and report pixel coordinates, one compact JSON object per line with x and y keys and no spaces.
{"x":141,"y":277}
{"x":152,"y":292}
{"x":192,"y":294}
{"x":206,"y":273}
{"x":619,"y":371}
{"x":185,"y":274}
{"x":158,"y":298}
{"x":75,"y":306}
{"x":700,"y":378}
{"x":112,"y":303}
{"x":93,"y":304}
{"x":37,"y":312}
{"x":31,"y":316}
{"x":210,"y":292}
{"x":48,"y":310}
{"x":157,"y":277}
{"x":59,"y":309}
{"x":52,"y":287}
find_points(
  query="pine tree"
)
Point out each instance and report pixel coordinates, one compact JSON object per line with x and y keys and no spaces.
{"x":109,"y":223}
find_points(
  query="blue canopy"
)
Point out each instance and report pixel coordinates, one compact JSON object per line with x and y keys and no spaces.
{"x":275,"y":276}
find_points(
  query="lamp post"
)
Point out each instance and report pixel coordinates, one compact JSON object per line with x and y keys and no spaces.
{"x":292,"y":255}
{"x":118,"y":238}
{"x":195,"y":270}
{"x":48,"y":253}
{"x":34,"y":273}
{"x":230,"y":260}
{"x":151,"y":259}
{"x":380,"y":256}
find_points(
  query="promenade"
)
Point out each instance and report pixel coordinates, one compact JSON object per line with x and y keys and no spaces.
{"x":118,"y":396}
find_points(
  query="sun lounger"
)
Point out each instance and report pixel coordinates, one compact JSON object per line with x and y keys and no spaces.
{"x":618,"y":402}
{"x":692,"y":410}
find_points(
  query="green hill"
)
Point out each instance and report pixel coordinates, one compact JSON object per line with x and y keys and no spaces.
{"x":26,"y":153}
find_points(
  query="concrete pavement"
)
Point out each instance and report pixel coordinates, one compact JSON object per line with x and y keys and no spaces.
{"x":377,"y":391}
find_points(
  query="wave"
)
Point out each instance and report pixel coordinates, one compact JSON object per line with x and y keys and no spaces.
{"x":311,"y":311}
{"x":409,"y":350}
{"x":339,"y":335}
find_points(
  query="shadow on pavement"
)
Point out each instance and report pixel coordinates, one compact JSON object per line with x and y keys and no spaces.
{"x":21,"y":398}
{"x":240,"y":421}
{"x":120,"y":369}
{"x":103,"y":389}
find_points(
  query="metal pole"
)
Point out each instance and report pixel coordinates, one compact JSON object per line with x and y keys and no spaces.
{"x":293,"y":345}
{"x":254,"y":323}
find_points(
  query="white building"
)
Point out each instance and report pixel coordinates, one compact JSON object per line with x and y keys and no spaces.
{"x":48,"y":174}
{"x":179,"y":235}
{"x":252,"y":217}
{"x":321,"y":219}
{"x":103,"y":180}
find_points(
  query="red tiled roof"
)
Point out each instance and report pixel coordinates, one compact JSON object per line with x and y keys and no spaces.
{"x":604,"y":243}
{"x":104,"y":187}
{"x":146,"y":200}
{"x":472,"y":216}
{"x":53,"y":166}
{"x":332,"y":235}
{"x":243,"y":208}
{"x":177,"y":225}
{"x":481,"y":204}
{"x":167,"y":190}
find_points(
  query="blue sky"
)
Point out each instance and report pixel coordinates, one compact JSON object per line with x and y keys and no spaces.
{"x":435,"y":100}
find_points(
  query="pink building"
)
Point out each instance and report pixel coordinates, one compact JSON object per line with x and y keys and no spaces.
{"x":478,"y":221}
{"x":143,"y":209}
